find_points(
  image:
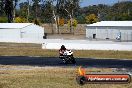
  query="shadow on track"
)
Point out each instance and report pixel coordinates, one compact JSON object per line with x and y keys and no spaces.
{"x":54,"y":61}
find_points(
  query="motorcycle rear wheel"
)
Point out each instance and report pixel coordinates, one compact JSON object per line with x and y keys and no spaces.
{"x":73,"y":60}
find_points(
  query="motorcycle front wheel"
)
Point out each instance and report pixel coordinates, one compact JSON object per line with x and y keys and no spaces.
{"x":73,"y":60}
{"x":64,"y":61}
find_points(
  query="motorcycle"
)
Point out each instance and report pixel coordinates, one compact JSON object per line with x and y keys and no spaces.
{"x":67,"y":57}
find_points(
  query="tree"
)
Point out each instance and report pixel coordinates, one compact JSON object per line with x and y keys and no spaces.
{"x":23,"y":9}
{"x":68,"y":7}
{"x":1,"y":7}
{"x":28,"y":10}
{"x":14,"y":8}
{"x":122,"y":10}
{"x":53,"y":10}
{"x":37,"y":22}
{"x":61,"y":9}
{"x":81,"y":19}
{"x":74,"y":23}
{"x":92,"y":18}
{"x":36,"y":7}
{"x":47,"y":11}
{"x":9,"y":8}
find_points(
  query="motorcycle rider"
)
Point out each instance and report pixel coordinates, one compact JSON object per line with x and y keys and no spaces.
{"x":62,"y":49}
{"x":66,"y":55}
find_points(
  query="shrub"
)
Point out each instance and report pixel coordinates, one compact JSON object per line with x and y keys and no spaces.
{"x":61,"y":22}
{"x":92,"y":18}
{"x":20,"y":20}
{"x":74,"y":23}
{"x":3,"y":20}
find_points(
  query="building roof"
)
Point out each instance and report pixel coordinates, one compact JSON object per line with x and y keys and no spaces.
{"x":14,"y":25}
{"x":111,"y":23}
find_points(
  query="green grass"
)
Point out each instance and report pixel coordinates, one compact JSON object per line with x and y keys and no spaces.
{"x":47,"y":77}
{"x":24,"y":51}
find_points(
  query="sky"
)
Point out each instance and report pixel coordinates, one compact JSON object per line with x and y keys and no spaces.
{"x":95,"y":2}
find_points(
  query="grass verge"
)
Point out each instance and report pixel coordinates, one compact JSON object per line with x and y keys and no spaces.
{"x":48,"y":77}
{"x":21,"y":51}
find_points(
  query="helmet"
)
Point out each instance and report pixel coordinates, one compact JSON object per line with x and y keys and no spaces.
{"x":62,"y":47}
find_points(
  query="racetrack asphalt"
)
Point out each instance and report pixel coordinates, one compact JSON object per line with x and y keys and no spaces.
{"x":54,"y":61}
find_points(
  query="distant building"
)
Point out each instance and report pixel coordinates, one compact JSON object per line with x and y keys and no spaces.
{"x":17,"y":32}
{"x":112,"y":30}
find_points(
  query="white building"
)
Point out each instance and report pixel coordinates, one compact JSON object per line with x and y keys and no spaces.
{"x":20,"y":32}
{"x":112,"y":30}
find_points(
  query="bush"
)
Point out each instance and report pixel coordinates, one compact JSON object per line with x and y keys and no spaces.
{"x":61,"y":22}
{"x":92,"y":18}
{"x":74,"y":23}
{"x":3,"y":20}
{"x":20,"y":20}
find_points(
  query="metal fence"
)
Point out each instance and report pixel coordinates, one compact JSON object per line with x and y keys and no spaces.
{"x":51,"y":28}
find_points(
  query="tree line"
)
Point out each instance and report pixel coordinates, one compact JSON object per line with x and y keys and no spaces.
{"x":45,"y":11}
{"x":62,"y":11}
{"x":120,"y":11}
